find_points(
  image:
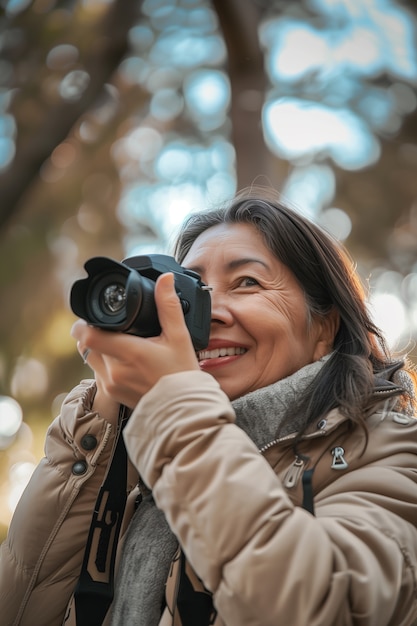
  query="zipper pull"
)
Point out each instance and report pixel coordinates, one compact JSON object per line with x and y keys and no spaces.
{"x":293,"y":474}
{"x":339,"y":462}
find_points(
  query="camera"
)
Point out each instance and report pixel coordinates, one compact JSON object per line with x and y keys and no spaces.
{"x":120,"y":296}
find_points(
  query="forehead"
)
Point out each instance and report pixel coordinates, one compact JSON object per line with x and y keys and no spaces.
{"x":228,"y":239}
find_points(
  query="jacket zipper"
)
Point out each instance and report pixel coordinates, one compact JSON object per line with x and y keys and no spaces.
{"x":295,"y":470}
{"x":275,"y":441}
{"x":387,"y":392}
{"x":294,"y":473}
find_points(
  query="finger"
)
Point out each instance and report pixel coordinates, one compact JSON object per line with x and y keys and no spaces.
{"x":170,"y":313}
{"x":86,"y":355}
{"x":78,"y":329}
{"x":84,"y":352}
{"x":104,"y":342}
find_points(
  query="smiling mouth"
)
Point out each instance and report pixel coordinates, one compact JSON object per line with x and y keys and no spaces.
{"x":219,"y":352}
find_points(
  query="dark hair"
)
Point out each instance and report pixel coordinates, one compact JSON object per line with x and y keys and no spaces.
{"x":328,"y":278}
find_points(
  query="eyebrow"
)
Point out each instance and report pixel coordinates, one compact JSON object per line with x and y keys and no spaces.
{"x":235,"y":263}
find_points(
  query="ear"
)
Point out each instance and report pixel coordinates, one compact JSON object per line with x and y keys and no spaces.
{"x":326,"y":329}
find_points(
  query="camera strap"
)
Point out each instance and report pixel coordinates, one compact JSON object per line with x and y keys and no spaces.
{"x":95,"y":588}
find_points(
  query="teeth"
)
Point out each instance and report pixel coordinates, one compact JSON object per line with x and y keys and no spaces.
{"x":215,"y":354}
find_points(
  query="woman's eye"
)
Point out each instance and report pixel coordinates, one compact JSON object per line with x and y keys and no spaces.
{"x":247,"y":281}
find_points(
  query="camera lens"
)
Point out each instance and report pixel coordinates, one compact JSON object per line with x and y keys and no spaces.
{"x":113,"y":299}
{"x":106,"y":298}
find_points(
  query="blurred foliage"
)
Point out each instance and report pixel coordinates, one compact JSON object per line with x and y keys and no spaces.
{"x":77,"y":79}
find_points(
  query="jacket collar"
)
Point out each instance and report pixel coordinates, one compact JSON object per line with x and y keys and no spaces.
{"x":384,"y":389}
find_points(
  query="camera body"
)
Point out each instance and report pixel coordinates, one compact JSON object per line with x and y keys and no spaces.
{"x":120,"y":296}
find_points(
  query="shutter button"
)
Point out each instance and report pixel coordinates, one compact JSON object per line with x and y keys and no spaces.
{"x":88,"y":442}
{"x":79,"y":468}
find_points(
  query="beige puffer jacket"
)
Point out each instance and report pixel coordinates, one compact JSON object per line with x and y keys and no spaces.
{"x":353,"y":563}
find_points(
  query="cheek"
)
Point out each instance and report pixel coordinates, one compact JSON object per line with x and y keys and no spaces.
{"x":283,"y":321}
{"x":284,"y":341}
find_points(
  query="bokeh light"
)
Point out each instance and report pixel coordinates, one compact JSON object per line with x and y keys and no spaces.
{"x":11,"y":416}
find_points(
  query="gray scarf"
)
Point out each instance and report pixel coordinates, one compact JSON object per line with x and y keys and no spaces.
{"x":150,"y":544}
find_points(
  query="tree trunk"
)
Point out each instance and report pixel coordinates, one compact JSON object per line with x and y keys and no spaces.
{"x":239,"y":22}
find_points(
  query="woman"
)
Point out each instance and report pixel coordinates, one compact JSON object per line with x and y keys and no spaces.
{"x":276,"y":467}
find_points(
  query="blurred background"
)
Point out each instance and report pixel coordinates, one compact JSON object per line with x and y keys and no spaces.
{"x":118,"y":118}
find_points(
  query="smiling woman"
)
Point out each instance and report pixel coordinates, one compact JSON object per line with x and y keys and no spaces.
{"x":248,"y":284}
{"x":292,"y":433}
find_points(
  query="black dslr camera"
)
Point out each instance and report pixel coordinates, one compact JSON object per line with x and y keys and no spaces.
{"x":120,"y":296}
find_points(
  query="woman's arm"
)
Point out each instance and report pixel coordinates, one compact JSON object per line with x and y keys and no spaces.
{"x":42,"y":554}
{"x":266,"y":560}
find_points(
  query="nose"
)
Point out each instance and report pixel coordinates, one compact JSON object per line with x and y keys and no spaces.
{"x":221,"y":311}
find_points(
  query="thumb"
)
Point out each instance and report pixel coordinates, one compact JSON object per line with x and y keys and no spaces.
{"x":170,"y":313}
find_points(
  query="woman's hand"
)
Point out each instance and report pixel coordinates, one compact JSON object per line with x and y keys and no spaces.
{"x":127,"y":366}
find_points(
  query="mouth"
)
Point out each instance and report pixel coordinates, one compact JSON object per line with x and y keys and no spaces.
{"x":206,"y":355}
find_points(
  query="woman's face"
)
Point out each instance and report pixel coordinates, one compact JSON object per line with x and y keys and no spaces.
{"x":260,"y":331}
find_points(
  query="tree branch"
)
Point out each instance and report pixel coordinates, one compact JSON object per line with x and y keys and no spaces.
{"x":55,"y":123}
